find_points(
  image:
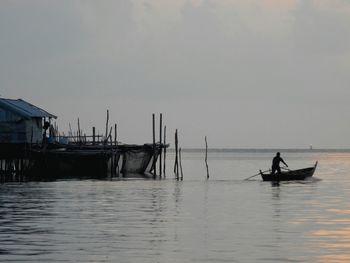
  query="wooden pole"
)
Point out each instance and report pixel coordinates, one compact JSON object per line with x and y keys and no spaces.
{"x":182,"y":174}
{"x":176,"y":164}
{"x":175,"y":154}
{"x":93,"y":135}
{"x":116,"y":151}
{"x":110,"y":136}
{"x":164,"y":149}
{"x":115,"y":134}
{"x":16,"y":168}
{"x":111,"y":152}
{"x":56,"y":130}
{"x":107,"y":119}
{"x":22,"y":167}
{"x":206,"y":156}
{"x":154,"y":144}
{"x":79,"y":135}
{"x":160,"y":143}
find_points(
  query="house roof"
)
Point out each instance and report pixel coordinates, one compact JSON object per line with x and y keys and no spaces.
{"x":24,"y":109}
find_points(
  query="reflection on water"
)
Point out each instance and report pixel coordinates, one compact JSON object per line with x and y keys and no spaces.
{"x":334,"y":236}
{"x":225,"y":219}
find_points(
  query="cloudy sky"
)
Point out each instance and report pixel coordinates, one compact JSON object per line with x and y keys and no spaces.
{"x":245,"y":73}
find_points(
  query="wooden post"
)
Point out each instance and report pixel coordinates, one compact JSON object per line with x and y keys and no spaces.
{"x":22,"y":167}
{"x":110,"y":136}
{"x":206,"y":156}
{"x":164,"y":149}
{"x":16,"y":167}
{"x":176,"y":164}
{"x":79,"y":135}
{"x":111,"y":153}
{"x":1,"y":170}
{"x":16,"y":174}
{"x":115,"y":134}
{"x":93,"y":135}
{"x":116,"y":151}
{"x":154,"y":145}
{"x":182,"y":175}
{"x":106,"y":137}
{"x":160,"y":143}
{"x":56,"y":130}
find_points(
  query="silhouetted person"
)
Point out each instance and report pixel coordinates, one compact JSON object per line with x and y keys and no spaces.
{"x":276,"y":163}
{"x":45,"y":127}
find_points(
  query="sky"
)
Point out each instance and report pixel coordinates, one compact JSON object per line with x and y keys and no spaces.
{"x":244,"y":73}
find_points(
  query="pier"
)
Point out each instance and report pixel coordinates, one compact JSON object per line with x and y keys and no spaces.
{"x":32,"y":149}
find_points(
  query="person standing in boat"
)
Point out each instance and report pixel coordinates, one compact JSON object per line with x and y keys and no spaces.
{"x":276,"y":163}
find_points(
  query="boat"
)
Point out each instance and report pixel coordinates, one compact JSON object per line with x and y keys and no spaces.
{"x":290,"y":175}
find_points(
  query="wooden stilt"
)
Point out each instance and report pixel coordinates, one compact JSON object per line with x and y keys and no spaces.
{"x":115,"y":134}
{"x":22,"y":168}
{"x":164,"y":150}
{"x":176,"y":165}
{"x":107,"y":120}
{"x":79,"y":132}
{"x":154,"y":145}
{"x":160,"y":143}
{"x":206,"y":156}
{"x":16,"y":172}
{"x":110,"y":136}
{"x":1,"y":170}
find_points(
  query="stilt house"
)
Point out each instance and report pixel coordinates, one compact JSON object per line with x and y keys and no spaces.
{"x":21,"y":122}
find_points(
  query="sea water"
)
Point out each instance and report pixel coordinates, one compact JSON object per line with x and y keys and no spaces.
{"x":222,"y":219}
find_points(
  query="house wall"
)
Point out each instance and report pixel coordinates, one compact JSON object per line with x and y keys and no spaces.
{"x":35,"y":127}
{"x":8,"y":116}
{"x":14,"y":129}
{"x":12,"y":132}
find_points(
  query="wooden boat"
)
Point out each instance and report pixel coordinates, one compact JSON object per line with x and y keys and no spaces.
{"x":290,"y":175}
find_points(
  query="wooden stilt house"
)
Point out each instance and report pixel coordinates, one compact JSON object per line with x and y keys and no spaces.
{"x":22,"y":122}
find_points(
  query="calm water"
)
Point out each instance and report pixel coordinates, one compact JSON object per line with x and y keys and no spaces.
{"x":225,"y":219}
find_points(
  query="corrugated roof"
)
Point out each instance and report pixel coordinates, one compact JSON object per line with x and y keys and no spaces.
{"x":24,"y":108}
